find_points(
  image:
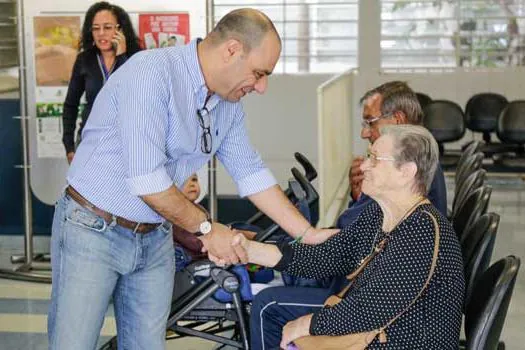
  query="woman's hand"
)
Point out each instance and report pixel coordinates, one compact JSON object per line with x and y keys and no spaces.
{"x":120,"y":40}
{"x":296,"y":329}
{"x":70,"y":156}
{"x":317,"y":236}
{"x":241,"y":245}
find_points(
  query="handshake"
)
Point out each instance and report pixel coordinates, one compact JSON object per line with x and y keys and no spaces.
{"x":226,"y":246}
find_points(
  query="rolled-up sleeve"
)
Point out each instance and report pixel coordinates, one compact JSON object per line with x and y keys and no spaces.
{"x":143,"y":123}
{"x":242,"y":162}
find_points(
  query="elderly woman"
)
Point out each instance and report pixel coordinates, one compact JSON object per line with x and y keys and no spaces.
{"x":402,"y":225}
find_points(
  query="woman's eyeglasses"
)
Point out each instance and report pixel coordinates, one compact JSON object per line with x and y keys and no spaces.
{"x":374,"y":159}
{"x":204,"y":121}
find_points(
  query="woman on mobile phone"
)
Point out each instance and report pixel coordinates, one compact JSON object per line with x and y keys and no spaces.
{"x":107,"y":41}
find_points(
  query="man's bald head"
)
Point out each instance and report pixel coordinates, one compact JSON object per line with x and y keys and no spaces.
{"x":248,"y":26}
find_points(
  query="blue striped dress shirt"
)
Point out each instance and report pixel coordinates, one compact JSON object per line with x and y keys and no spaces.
{"x":143,"y":135}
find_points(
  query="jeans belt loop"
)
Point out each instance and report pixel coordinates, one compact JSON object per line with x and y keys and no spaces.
{"x":136,"y":228}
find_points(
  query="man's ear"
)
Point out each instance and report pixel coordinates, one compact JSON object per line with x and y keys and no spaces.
{"x":400,"y":117}
{"x":232,"y":48}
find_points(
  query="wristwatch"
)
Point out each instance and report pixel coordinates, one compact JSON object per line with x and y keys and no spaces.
{"x":205,"y":227}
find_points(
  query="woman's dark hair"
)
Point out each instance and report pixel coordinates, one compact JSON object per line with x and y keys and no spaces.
{"x":86,"y":42}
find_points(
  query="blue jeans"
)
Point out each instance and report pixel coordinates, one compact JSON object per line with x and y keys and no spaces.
{"x":93,"y":262}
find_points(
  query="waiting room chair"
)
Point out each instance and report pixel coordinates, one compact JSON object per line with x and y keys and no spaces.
{"x":477,"y":245}
{"x":469,"y":166}
{"x":481,"y":115}
{"x":487,"y":309}
{"x":474,"y":181}
{"x":472,"y":148}
{"x":475,"y":205}
{"x":511,"y":131}
{"x":423,"y":99}
{"x":445,"y":120}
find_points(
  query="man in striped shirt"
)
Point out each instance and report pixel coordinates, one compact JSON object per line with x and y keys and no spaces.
{"x":156,"y":121}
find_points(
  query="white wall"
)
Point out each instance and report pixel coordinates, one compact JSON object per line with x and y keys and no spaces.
{"x":281,"y":122}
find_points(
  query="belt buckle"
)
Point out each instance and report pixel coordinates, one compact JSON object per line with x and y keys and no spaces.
{"x":135,"y":230}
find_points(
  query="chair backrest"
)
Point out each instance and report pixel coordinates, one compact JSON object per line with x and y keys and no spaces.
{"x":511,"y":123}
{"x":486,"y":312}
{"x":483,"y":110}
{"x":469,"y":166}
{"x":445,"y":120}
{"x":477,"y":245}
{"x":423,"y":99}
{"x":475,"y":205}
{"x":467,"y":152}
{"x":470,"y":184}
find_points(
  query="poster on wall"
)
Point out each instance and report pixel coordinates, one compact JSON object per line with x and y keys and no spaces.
{"x":163,"y":30}
{"x":56,"y":49}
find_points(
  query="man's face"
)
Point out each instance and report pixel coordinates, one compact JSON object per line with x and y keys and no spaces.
{"x":249,"y":72}
{"x":372,"y":114}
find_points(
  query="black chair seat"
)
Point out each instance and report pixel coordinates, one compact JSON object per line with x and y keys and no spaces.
{"x":511,"y":162}
{"x":490,"y":149}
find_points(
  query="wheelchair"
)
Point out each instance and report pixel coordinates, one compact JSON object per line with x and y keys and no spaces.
{"x":197,"y":311}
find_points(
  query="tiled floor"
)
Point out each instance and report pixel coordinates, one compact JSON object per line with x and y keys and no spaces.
{"x":23,"y":305}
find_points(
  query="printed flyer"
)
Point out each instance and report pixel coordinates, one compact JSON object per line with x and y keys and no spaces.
{"x":164,"y":29}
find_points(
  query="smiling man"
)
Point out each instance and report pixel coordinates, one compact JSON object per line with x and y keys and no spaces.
{"x":156,"y":121}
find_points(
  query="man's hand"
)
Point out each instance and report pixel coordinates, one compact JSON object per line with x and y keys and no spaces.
{"x":317,"y":236}
{"x":296,"y":329}
{"x":355,"y":177}
{"x":218,"y":244}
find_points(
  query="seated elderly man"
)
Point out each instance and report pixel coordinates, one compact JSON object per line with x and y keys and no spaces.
{"x":391,"y":103}
{"x":403,"y":255}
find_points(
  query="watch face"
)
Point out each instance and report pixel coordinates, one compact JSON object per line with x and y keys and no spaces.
{"x":205,"y":227}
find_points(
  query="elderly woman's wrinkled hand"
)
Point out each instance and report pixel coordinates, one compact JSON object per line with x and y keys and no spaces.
{"x":296,"y":329}
{"x":240,"y":245}
{"x":317,"y":236}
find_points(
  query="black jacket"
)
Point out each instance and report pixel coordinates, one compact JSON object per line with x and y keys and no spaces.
{"x":86,"y":77}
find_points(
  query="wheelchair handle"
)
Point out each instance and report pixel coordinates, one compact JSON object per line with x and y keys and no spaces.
{"x":309,"y":170}
{"x":227,"y":280}
{"x":311,"y":193}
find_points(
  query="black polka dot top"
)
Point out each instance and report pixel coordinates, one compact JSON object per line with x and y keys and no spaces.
{"x":391,"y":280}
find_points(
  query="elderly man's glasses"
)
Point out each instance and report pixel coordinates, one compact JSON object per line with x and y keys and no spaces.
{"x":369,"y":122}
{"x":204,"y":121}
{"x":374,"y":159}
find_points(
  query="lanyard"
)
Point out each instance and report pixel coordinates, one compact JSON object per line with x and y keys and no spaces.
{"x":102,"y":66}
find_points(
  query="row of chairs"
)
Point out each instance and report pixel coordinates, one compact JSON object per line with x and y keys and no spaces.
{"x":488,"y":289}
{"x":486,"y":113}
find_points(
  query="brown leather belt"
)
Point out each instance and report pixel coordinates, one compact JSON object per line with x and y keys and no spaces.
{"x":132,"y":225}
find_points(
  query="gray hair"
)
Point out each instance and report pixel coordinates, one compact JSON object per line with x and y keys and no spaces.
{"x":416,"y":144}
{"x":397,"y":96}
{"x":248,"y":26}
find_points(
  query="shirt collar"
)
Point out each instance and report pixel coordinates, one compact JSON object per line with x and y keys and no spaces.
{"x":194,"y":67}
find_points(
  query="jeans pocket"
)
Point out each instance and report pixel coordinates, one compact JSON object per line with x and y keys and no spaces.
{"x":84,"y":218}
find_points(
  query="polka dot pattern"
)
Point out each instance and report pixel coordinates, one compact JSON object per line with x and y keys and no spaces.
{"x":391,"y":280}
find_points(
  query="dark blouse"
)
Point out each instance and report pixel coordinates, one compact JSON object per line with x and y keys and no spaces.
{"x":86,"y":77}
{"x":391,"y":280}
